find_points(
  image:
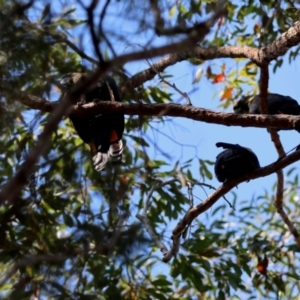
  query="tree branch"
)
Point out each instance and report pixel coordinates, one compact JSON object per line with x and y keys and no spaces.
{"x":196,"y":52}
{"x":172,"y":110}
{"x":61,"y":38}
{"x":285,"y":42}
{"x":221,"y":191}
{"x":278,"y":203}
{"x":268,"y":53}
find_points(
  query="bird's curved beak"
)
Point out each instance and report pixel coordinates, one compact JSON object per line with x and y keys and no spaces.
{"x":65,"y":82}
{"x":236,"y":107}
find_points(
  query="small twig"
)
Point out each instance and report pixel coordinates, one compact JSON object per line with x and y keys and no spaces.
{"x":183,"y":94}
{"x":191,"y":197}
{"x":190,"y":191}
{"x":144,"y":219}
{"x":63,"y":39}
{"x":191,"y":201}
{"x":153,"y":235}
{"x":111,"y":94}
{"x":152,"y":190}
{"x":173,"y":140}
{"x":172,"y":85}
{"x":213,"y":188}
{"x":90,"y":10}
{"x":101,"y":32}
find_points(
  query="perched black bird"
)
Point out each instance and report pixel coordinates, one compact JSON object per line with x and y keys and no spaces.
{"x":277,"y":104}
{"x":234,"y":162}
{"x":102,"y":132}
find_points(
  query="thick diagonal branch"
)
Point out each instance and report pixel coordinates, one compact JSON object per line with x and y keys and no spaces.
{"x":285,"y":42}
{"x":221,"y":191}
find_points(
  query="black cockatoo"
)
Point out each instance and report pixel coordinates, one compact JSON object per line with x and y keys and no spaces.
{"x":277,"y":104}
{"x":102,"y":132}
{"x":234,"y":162}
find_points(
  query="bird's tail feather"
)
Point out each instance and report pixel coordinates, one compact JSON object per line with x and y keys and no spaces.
{"x":113,"y":154}
{"x":115,"y":151}
{"x":100,"y":160}
{"x":228,"y":146}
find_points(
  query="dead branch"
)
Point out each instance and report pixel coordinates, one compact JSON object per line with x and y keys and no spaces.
{"x":172,"y":85}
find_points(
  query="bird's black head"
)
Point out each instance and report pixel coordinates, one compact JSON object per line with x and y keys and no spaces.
{"x":69,"y":79}
{"x":242,"y":106}
{"x":66,"y":80}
